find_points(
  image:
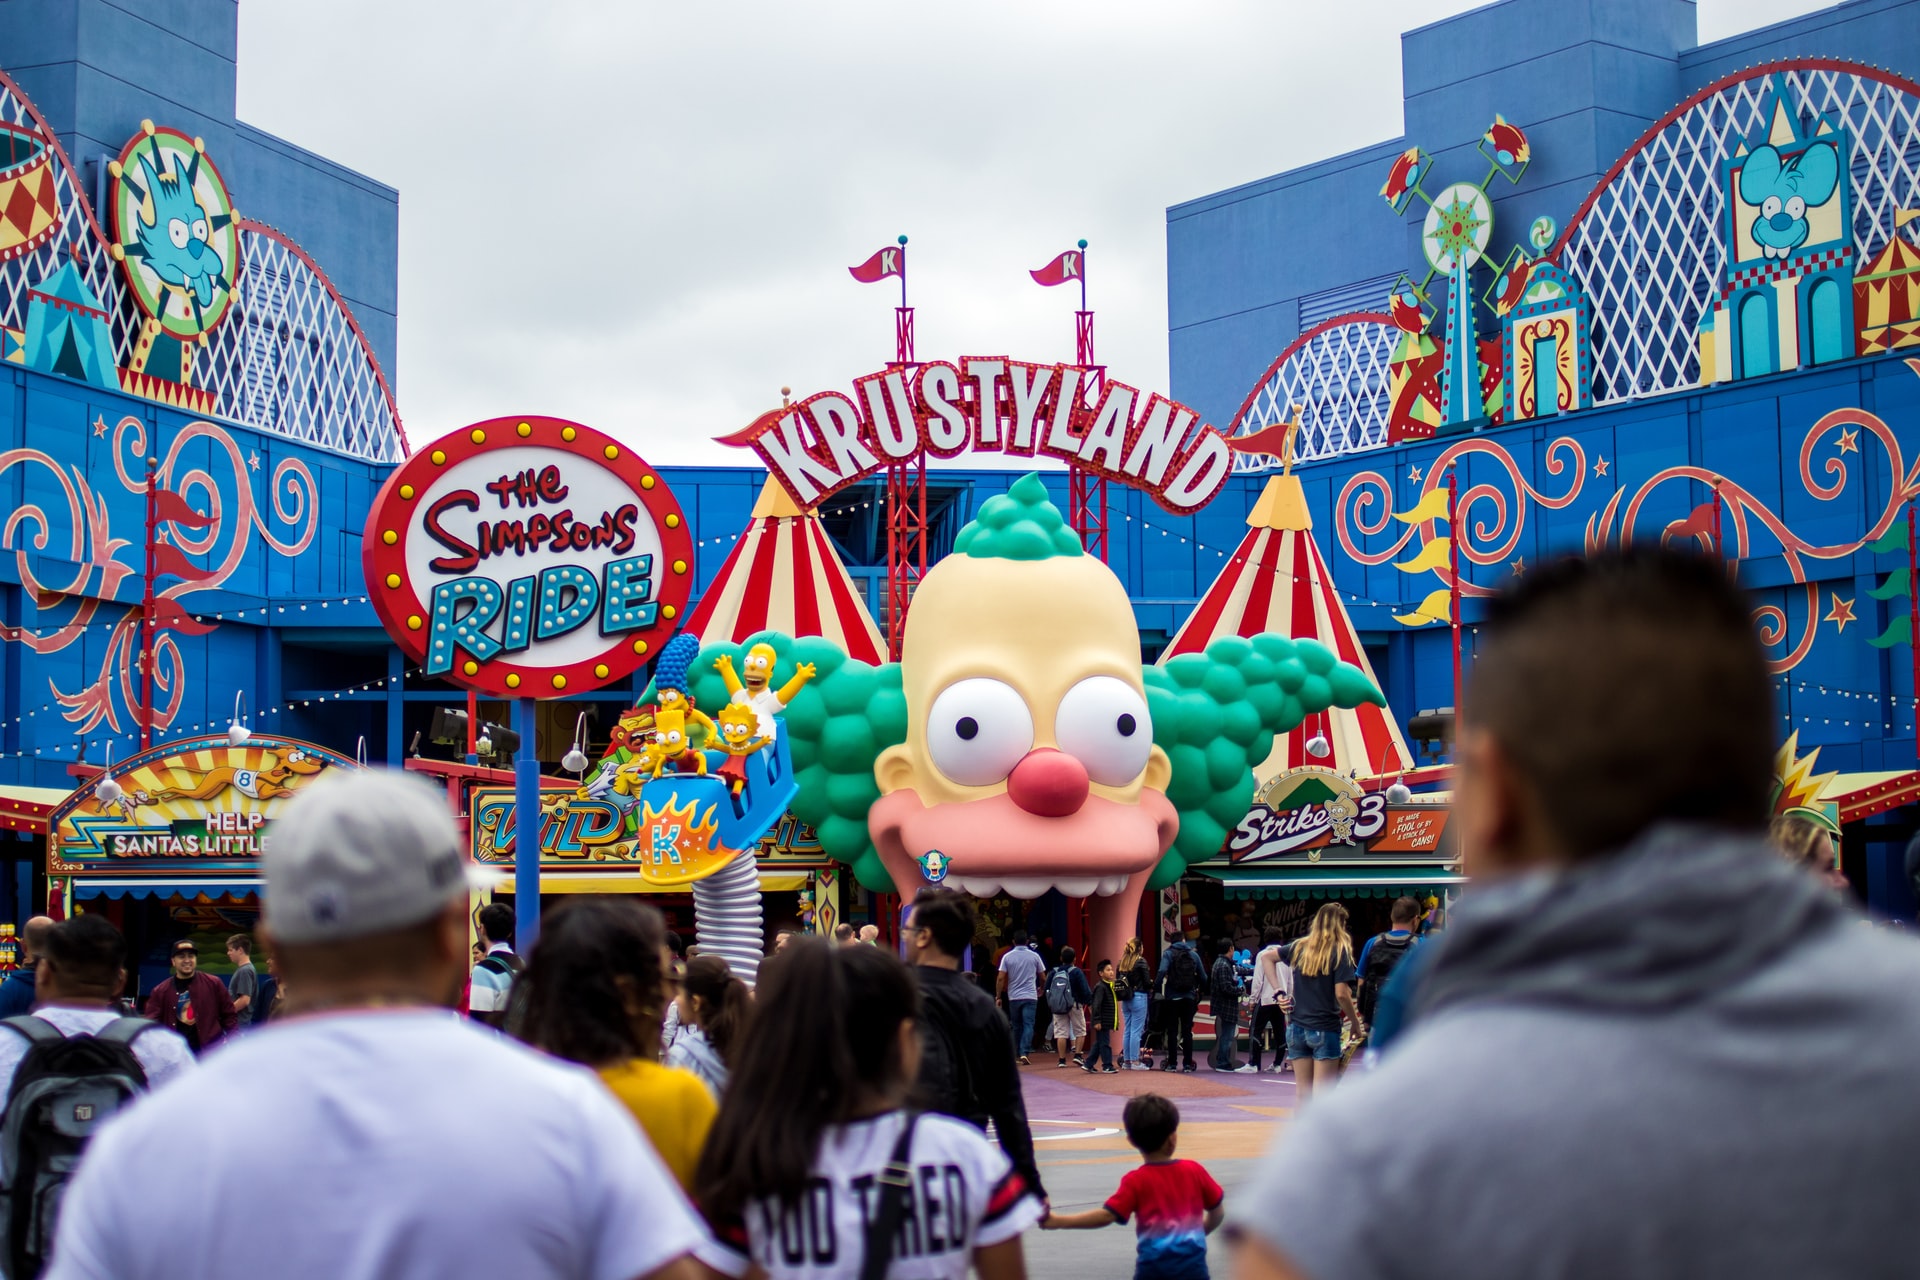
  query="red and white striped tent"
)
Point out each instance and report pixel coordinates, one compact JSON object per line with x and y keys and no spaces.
{"x":784,"y":575}
{"x":1277,"y":582}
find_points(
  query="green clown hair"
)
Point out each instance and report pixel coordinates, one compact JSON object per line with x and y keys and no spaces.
{"x":1020,"y":524}
{"x":1215,"y":714}
{"x":836,"y":727}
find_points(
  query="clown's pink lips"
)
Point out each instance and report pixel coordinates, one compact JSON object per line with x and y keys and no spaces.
{"x":1099,"y":848}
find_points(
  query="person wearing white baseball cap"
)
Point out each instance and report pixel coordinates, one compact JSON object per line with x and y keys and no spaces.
{"x":393,"y":1137}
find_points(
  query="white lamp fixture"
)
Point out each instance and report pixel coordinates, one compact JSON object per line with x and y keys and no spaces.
{"x":237,"y":734}
{"x":1318,"y":747}
{"x":575,"y":761}
{"x":1399,"y":792}
{"x":107,"y":791}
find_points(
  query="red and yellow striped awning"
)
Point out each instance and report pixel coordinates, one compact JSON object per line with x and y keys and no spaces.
{"x":1277,"y":582}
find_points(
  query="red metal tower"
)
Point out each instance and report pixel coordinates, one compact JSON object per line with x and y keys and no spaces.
{"x":1086,"y":491}
{"x":906,"y":497}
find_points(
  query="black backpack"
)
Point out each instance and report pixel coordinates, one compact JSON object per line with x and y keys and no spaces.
{"x":1184,"y":977}
{"x":1383,"y":957}
{"x":64,"y":1089}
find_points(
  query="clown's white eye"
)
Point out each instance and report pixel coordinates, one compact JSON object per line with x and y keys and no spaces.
{"x":978,"y":730}
{"x":1103,"y":723}
{"x":1796,"y":207}
{"x":1770,"y":206}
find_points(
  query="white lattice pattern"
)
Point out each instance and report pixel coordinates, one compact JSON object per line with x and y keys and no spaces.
{"x":287,"y":359}
{"x":1648,"y":250}
{"x":1338,"y":377}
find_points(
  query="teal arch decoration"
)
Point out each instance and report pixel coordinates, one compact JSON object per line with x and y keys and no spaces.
{"x":1757,"y":340}
{"x":1826,"y":323}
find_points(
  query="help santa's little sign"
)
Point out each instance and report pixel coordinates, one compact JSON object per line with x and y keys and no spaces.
{"x":528,"y":557}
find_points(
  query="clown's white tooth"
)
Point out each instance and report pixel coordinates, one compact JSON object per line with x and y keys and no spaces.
{"x":1025,"y":888}
{"x":1110,"y":885}
{"x":1077,"y":886}
{"x":974,"y":886}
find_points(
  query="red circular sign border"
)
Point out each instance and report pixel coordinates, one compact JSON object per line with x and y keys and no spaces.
{"x":390,"y":512}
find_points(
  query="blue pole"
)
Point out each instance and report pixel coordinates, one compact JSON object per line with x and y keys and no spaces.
{"x":526,"y":827}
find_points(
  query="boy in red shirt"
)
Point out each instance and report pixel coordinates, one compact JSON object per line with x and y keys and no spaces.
{"x":1175,"y":1204}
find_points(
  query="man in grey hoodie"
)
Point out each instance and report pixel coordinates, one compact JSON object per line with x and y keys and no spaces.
{"x":1645,"y":1047}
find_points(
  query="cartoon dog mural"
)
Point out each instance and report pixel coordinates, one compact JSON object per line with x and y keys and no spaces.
{"x":279,"y":779}
{"x":1023,"y":747}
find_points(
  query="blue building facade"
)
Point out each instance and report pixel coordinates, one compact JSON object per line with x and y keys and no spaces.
{"x":1622,"y":372}
{"x":1689,"y":303}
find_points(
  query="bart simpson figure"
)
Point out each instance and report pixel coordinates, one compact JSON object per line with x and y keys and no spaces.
{"x":738,"y":723}
{"x":752,"y":688}
{"x":670,"y":729}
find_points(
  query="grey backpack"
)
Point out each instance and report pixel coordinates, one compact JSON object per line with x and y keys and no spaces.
{"x":64,"y":1089}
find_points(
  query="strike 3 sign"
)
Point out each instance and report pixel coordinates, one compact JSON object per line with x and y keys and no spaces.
{"x":528,"y":557}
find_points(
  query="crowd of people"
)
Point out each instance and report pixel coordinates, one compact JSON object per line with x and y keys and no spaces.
{"x":1654,"y":1037}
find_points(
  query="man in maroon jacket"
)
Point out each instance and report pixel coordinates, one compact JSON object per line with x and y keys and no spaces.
{"x":193,"y":1003}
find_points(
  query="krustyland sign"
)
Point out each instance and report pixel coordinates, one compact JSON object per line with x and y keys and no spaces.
{"x":828,"y":441}
{"x":525,"y":557}
{"x":1317,"y":816}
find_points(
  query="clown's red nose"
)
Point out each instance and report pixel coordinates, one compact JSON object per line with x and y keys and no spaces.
{"x":1049,"y":783}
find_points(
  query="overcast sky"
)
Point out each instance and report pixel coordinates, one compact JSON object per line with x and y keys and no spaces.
{"x":640,"y":215}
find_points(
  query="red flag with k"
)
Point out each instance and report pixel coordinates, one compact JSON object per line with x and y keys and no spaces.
{"x":1062,"y":269}
{"x":890,"y":261}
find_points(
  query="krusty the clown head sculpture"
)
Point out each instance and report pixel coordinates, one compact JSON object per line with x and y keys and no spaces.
{"x":1019,"y":746}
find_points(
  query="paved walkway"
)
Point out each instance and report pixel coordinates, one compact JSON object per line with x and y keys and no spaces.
{"x":1227,"y":1121}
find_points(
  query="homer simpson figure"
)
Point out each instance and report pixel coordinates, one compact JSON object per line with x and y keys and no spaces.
{"x":753,"y":686}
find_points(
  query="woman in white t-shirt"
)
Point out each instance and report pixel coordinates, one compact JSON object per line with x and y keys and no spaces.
{"x":790,"y":1176}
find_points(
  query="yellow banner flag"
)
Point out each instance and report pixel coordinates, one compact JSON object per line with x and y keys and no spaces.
{"x":1435,"y":555}
{"x":1435,"y":608}
{"x":1431,"y":507}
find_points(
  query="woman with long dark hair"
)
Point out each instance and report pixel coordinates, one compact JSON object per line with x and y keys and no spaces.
{"x":713,"y":1005}
{"x":1323,"y":981}
{"x":791,"y":1178}
{"x":592,"y":993}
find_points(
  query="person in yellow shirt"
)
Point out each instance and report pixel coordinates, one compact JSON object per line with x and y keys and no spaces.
{"x":595,"y":989}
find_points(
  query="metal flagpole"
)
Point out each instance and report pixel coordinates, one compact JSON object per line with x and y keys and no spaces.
{"x":146,"y":610}
{"x":1913,"y":626}
{"x":1453,"y":558}
{"x":526,"y":834}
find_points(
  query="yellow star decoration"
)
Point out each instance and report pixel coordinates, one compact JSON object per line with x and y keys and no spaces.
{"x":1519,"y":565}
{"x":1413,"y":474}
{"x":1600,"y":466}
{"x":1841,"y":613}
{"x":1849,"y":440}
